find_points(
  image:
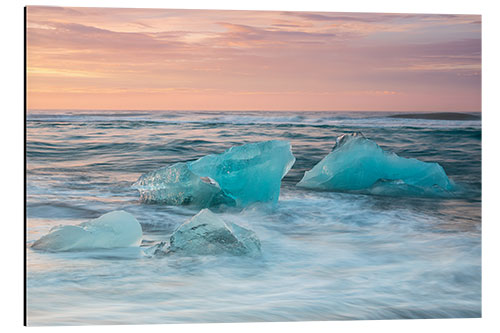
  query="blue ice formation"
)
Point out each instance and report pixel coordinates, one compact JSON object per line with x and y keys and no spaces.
{"x":207,"y":234}
{"x":178,"y":185}
{"x":359,"y":164}
{"x":238,"y":177}
{"x":111,"y":230}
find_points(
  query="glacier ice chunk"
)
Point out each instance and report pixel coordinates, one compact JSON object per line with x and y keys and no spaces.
{"x":359,"y":164}
{"x":158,"y":250}
{"x":177,"y":185}
{"x":207,"y":234}
{"x":111,"y":230}
{"x":248,"y":173}
{"x":238,"y":177}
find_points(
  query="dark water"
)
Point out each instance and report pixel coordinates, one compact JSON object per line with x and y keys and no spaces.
{"x":326,"y":255}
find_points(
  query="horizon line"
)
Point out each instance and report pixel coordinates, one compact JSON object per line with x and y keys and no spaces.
{"x":253,"y":110}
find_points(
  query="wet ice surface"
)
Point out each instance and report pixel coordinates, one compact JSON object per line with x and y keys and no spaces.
{"x":208,"y":234}
{"x":116,"y":229}
{"x":359,"y":164}
{"x":240,"y":176}
{"x":324,"y":255}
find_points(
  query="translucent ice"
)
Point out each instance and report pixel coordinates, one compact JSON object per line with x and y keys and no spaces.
{"x":239,"y":176}
{"x":206,"y":233}
{"x":178,"y":185}
{"x":111,"y":230}
{"x":158,"y":250}
{"x":359,"y":164}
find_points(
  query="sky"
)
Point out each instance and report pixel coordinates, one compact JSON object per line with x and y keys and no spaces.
{"x":164,"y":59}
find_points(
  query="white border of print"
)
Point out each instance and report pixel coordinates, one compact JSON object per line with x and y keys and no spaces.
{"x":12,"y":162}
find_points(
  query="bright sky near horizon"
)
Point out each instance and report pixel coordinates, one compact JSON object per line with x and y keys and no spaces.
{"x":146,"y":59}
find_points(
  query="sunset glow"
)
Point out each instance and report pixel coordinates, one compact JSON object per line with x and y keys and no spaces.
{"x":148,"y":59}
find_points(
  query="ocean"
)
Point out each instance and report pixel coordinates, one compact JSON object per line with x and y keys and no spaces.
{"x":325,"y":255}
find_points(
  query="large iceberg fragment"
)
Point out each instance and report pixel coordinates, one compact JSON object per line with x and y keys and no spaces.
{"x":111,"y":230}
{"x":240,"y":176}
{"x":207,"y":234}
{"x":359,"y":164}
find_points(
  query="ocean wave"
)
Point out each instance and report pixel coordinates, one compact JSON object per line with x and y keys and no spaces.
{"x":361,"y":119}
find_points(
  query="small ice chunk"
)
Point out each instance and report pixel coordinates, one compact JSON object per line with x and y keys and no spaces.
{"x":207,"y":234}
{"x":238,"y":177}
{"x":157,"y":250}
{"x":359,"y":164}
{"x":111,"y":230}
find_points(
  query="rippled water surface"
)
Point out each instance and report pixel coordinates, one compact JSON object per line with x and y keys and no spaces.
{"x":325,"y":255}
